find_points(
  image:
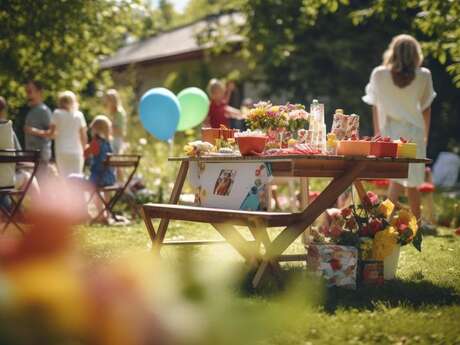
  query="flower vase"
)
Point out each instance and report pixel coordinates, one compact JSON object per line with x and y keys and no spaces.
{"x":273,"y":137}
{"x":390,"y":263}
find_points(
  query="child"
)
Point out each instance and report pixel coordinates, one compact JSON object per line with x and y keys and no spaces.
{"x":68,"y":127}
{"x":219,"y":111}
{"x":98,"y":149}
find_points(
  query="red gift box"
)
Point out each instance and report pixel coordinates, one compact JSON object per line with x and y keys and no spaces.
{"x":384,"y":149}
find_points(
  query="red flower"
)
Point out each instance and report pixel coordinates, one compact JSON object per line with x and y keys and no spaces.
{"x":364,"y":232}
{"x":402,"y":227}
{"x":426,"y":187}
{"x":375,"y":225}
{"x":350,"y":224}
{"x":335,"y":264}
{"x":346,"y":212}
{"x":335,"y":231}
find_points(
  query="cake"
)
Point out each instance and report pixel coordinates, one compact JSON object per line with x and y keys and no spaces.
{"x":354,"y":147}
{"x":383,"y":147}
{"x":406,"y":149}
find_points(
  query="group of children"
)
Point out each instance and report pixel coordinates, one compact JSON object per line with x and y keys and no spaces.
{"x":67,"y":127}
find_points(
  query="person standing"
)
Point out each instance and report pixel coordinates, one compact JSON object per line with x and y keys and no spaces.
{"x":117,"y":114}
{"x":400,"y":92}
{"x":68,"y":128}
{"x":220,"y":112}
{"x":37,"y":124}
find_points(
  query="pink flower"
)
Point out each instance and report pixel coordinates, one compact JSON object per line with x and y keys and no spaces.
{"x":373,"y":198}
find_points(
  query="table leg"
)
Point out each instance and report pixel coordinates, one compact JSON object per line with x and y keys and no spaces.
{"x":174,"y":199}
{"x":237,"y":241}
{"x":326,"y":199}
{"x":304,"y":201}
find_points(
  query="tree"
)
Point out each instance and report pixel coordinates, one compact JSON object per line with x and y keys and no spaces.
{"x":197,"y":9}
{"x":437,"y":20}
{"x":60,"y":42}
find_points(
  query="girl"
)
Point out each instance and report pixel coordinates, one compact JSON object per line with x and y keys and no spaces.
{"x":68,"y":128}
{"x":98,"y":150}
{"x":401,"y":92}
{"x":117,"y":114}
{"x":219,"y":111}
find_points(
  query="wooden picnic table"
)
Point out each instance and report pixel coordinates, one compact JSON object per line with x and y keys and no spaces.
{"x":344,"y":171}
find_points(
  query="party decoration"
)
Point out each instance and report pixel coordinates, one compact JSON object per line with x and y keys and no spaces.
{"x":160,"y":111}
{"x":194,"y":107}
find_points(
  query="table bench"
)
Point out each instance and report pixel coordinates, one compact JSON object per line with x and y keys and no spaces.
{"x":265,"y":256}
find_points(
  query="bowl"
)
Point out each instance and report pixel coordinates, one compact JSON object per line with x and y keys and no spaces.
{"x":251,"y":145}
{"x":384,"y":149}
{"x":354,"y":148}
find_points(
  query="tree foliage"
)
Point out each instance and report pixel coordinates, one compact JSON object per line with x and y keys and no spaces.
{"x":304,"y":49}
{"x":59,"y":42}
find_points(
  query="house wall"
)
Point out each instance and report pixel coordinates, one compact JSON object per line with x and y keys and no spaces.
{"x":177,"y":74}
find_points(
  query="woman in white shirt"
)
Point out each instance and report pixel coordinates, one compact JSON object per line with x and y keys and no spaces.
{"x":401,"y":92}
{"x":68,"y":128}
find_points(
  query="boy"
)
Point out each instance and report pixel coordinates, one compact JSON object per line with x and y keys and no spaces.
{"x":219,"y":111}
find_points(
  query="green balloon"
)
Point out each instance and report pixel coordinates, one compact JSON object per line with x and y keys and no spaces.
{"x":194,"y":107}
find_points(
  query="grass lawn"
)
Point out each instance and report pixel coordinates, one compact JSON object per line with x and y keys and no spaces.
{"x":421,"y":307}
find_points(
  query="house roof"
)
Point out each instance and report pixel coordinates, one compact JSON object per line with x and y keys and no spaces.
{"x":176,"y":42}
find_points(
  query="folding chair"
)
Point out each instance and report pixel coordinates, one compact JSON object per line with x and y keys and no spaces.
{"x":125,"y":161}
{"x":22,"y":160}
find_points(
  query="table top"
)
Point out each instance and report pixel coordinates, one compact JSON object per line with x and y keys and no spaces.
{"x":229,"y":158}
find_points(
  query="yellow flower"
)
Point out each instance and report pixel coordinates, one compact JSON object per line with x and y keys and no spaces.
{"x":384,"y":243}
{"x":405,"y":217}
{"x":386,"y":208}
{"x":55,"y":287}
{"x":188,"y":149}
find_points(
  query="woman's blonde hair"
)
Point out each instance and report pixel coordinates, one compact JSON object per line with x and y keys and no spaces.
{"x":215,"y":84}
{"x":114,"y":99}
{"x":403,"y":57}
{"x":102,"y":126}
{"x":67,"y":100}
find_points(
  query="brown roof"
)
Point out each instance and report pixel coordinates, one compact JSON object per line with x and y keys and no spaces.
{"x":179,"y":41}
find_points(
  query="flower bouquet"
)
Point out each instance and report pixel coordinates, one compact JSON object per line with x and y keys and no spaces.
{"x":297,"y":117}
{"x":377,"y":228}
{"x":265,"y":116}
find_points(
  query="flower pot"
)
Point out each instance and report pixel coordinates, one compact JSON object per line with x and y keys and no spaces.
{"x":210,"y":135}
{"x":251,"y":145}
{"x":390,"y":263}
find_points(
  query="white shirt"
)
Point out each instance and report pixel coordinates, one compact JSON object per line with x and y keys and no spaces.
{"x":68,"y":125}
{"x":400,"y":104}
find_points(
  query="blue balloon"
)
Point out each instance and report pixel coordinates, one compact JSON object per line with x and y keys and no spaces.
{"x":160,"y":111}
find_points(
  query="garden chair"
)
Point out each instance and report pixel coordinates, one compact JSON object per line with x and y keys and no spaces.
{"x":9,"y":161}
{"x":128,"y":162}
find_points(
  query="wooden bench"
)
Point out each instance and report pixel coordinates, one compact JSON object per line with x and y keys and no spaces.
{"x":344,"y":172}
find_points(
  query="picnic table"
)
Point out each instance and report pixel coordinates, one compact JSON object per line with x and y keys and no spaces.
{"x":345,"y":172}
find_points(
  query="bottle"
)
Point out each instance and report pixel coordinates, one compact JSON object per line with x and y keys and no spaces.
{"x":319,"y":126}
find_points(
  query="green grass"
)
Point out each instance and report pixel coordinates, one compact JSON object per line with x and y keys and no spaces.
{"x":422,"y":306}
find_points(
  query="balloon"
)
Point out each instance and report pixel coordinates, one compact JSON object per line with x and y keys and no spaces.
{"x":159,"y":110}
{"x":194,"y":107}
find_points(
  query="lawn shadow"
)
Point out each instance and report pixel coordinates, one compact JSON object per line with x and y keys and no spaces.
{"x":414,"y":293}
